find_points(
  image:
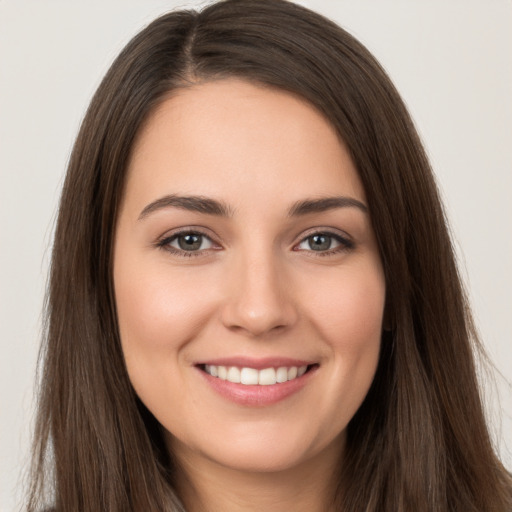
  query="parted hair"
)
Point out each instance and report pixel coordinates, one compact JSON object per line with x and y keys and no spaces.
{"x":419,"y":442}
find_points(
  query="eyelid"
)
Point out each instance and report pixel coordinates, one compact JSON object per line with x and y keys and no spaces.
{"x":204,"y":240}
{"x":163,"y":242}
{"x":345,"y":240}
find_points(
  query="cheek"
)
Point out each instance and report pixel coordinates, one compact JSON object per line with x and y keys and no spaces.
{"x":348,"y":308}
{"x":158,"y":310}
{"x":348,"y":315}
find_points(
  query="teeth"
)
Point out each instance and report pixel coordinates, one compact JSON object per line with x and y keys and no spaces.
{"x":292,"y":372}
{"x":267,"y":377}
{"x":222,"y":372}
{"x":248,"y":376}
{"x":233,"y":374}
{"x":282,"y":374}
{"x":251,"y":376}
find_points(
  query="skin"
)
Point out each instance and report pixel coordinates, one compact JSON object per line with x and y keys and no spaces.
{"x":254,"y":288}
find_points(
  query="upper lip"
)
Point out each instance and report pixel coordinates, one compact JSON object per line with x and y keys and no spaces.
{"x":256,"y":363}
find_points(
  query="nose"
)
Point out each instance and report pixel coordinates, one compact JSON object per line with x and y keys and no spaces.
{"x":260,"y":297}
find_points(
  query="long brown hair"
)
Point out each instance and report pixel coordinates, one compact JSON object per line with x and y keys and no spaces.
{"x":419,"y":441}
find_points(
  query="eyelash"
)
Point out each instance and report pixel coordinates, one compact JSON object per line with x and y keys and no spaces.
{"x":346,"y":244}
{"x":165,"y":242}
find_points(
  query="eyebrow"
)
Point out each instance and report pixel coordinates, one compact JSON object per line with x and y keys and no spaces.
{"x":324,"y":204}
{"x":191,"y":203}
{"x":211,"y":206}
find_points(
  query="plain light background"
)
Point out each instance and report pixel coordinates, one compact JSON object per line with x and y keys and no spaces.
{"x":451,"y":61}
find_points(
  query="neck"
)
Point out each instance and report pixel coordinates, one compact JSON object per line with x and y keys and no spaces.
{"x":206,"y":486}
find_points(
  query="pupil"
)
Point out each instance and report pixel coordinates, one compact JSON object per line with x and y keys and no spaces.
{"x":189,"y":242}
{"x":320,"y":242}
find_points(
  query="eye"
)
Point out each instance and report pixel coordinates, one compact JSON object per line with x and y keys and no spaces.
{"x":186,"y":242}
{"x":324,"y":243}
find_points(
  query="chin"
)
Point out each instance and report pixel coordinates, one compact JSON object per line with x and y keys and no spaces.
{"x":271,"y":451}
{"x":261,"y":460}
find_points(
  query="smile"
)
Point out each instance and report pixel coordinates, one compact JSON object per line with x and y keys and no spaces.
{"x":257,"y":381}
{"x":252,"y":376}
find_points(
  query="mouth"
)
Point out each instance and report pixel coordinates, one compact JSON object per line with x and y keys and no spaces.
{"x":249,"y":376}
{"x":257,"y":383}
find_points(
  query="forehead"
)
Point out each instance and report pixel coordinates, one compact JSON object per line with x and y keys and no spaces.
{"x":224,"y":136}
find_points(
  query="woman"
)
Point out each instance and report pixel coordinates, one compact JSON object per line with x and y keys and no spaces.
{"x":253,"y":299}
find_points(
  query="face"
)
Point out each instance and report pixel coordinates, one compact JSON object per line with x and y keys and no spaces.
{"x":248,"y":283}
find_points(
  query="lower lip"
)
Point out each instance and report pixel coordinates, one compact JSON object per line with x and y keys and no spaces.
{"x":255,"y":396}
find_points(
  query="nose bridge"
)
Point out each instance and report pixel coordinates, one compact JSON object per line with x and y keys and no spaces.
{"x":258,"y":300}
